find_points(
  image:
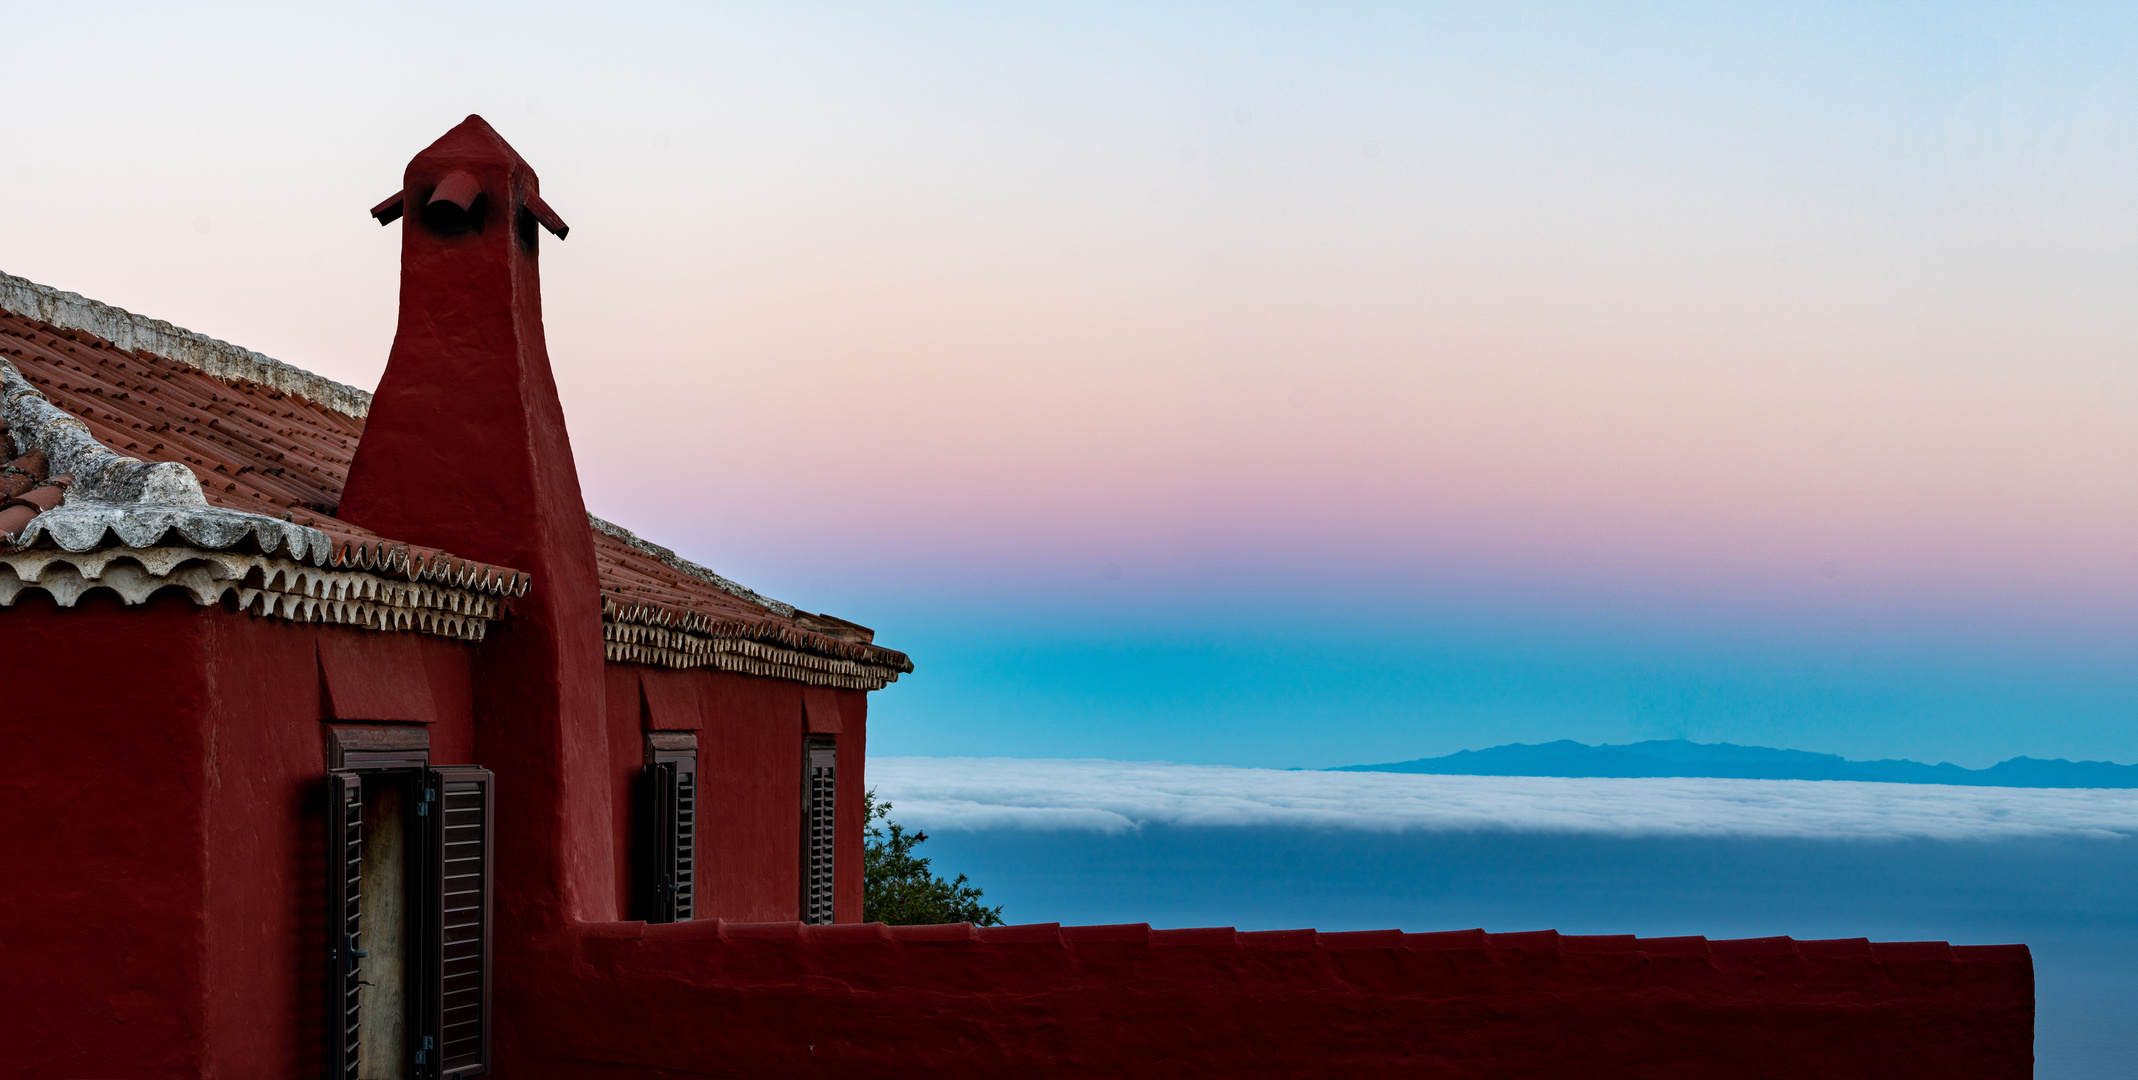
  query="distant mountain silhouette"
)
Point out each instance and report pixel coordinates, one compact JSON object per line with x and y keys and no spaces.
{"x":1677,"y":757}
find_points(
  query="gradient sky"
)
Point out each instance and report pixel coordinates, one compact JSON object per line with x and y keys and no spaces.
{"x":1260,"y":385}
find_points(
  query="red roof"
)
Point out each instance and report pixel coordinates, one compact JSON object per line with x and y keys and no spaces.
{"x":258,"y":451}
{"x":270,"y":446}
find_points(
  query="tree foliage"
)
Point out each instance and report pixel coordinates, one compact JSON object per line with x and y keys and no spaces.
{"x":900,"y":888}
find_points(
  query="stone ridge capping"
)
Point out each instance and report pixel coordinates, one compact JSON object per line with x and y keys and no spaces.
{"x":142,"y":504}
{"x":682,"y":565}
{"x":100,"y":473}
{"x":126,"y":330}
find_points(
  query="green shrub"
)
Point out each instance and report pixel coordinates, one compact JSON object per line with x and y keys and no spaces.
{"x":900,"y":889}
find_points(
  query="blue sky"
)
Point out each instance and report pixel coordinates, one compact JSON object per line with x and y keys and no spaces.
{"x":1314,"y":682}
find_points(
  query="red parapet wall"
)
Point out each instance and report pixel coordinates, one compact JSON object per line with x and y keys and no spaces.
{"x":782,"y":999}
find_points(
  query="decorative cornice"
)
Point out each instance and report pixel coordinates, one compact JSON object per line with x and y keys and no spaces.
{"x":262,"y":585}
{"x":678,"y":627}
{"x":636,"y":645}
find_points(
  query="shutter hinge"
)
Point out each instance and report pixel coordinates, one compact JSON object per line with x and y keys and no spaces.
{"x":423,"y":1054}
{"x":430,"y":795}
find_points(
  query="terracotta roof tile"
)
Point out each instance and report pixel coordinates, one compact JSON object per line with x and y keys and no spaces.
{"x":31,"y":465}
{"x":16,"y":518}
{"x":269,"y":453}
{"x":26,"y":495}
{"x":44,"y":496}
{"x":639,"y":586}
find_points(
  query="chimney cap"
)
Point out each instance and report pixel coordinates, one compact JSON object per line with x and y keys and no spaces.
{"x":471,"y":143}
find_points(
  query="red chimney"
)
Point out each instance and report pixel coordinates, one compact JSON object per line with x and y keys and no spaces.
{"x":465,"y":450}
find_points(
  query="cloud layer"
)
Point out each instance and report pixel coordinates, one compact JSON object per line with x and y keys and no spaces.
{"x":1113,"y":796}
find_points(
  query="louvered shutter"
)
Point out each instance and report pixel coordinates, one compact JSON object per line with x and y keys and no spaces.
{"x":657,"y":843}
{"x":455,"y":1039}
{"x":820,"y":811}
{"x":683,"y":842}
{"x":345,"y":952}
{"x":670,"y":838}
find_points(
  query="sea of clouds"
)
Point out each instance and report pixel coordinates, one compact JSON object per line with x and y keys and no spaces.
{"x":971,"y":794}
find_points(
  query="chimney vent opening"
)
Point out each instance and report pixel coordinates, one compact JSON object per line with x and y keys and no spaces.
{"x":456,"y":205}
{"x":530,"y":231}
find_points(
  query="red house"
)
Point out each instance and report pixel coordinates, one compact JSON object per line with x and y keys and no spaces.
{"x":340,"y":741}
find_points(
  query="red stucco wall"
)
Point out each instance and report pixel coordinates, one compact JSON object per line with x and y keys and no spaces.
{"x":160,"y":911}
{"x":853,"y":780}
{"x":627,"y":757}
{"x":103,"y":920}
{"x":729,"y":1000}
{"x":265,"y":843}
{"x":162,"y":880}
{"x":750,"y":739}
{"x":161,"y":894}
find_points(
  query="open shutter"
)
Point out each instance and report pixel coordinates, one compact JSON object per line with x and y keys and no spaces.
{"x":821,"y":789}
{"x":669,"y":850}
{"x":683,"y":841}
{"x":658,"y":843}
{"x":455,"y":1040}
{"x":345,"y":952}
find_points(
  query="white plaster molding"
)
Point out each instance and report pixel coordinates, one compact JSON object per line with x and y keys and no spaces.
{"x":261,"y":585}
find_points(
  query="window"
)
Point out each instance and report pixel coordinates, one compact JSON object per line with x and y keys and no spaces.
{"x":819,"y":814}
{"x":668,"y":829}
{"x":409,"y":914}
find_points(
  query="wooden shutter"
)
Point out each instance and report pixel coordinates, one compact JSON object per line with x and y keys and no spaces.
{"x":819,"y":812}
{"x":684,"y":840}
{"x":657,"y":846}
{"x":669,"y":837}
{"x":345,"y":952}
{"x":456,"y":802}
